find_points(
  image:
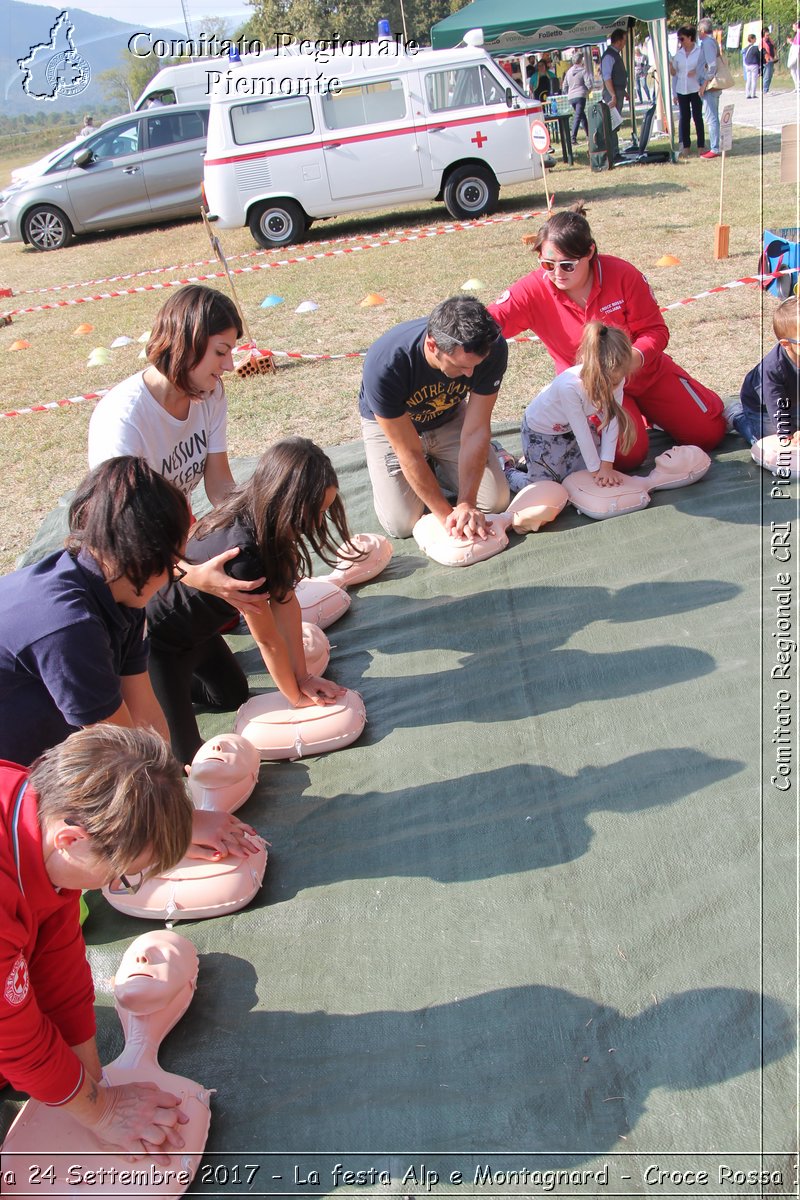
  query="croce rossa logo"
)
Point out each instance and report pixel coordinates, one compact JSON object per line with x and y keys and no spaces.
{"x":56,"y":67}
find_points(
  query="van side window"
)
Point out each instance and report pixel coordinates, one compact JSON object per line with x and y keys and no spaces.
{"x":269,"y":120}
{"x":364,"y":104}
{"x":170,"y":127}
{"x":494,"y":92}
{"x":462,"y":87}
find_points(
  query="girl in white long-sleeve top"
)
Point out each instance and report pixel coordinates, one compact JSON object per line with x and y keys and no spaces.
{"x":560,"y":427}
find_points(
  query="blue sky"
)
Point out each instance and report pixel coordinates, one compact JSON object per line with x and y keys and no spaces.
{"x":160,"y":13}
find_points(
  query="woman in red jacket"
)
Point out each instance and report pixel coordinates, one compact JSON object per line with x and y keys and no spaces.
{"x":573,"y":285}
{"x":105,"y":807}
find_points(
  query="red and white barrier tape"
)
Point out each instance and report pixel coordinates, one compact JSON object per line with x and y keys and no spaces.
{"x":295,"y":354}
{"x":34,"y":408}
{"x":404,"y":234}
{"x":724,"y":287}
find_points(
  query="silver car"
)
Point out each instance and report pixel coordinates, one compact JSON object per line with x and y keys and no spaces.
{"x":137,"y":169}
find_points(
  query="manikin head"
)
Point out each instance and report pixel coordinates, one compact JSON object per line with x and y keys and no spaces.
{"x":157,"y":968}
{"x":224,"y":773}
{"x":682,"y":462}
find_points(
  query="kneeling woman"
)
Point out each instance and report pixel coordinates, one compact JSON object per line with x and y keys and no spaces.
{"x":285,"y":510}
{"x":73,"y":650}
{"x":574,"y":285}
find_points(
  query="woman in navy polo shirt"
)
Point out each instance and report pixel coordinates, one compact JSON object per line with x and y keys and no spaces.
{"x":72,"y":635}
{"x":73,"y":649}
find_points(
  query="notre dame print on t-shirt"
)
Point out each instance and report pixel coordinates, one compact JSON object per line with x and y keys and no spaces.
{"x":429,"y":402}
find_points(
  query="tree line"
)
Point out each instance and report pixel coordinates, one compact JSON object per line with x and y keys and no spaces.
{"x":412,"y":19}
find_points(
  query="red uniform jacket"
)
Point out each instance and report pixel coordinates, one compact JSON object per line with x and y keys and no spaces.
{"x":620,"y":296}
{"x":46,"y":991}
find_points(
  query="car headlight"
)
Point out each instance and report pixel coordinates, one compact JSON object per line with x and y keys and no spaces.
{"x":8,"y":192}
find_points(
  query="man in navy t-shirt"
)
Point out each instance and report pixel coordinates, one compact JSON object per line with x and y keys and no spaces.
{"x":426,"y":400}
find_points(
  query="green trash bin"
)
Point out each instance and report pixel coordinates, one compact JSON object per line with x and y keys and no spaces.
{"x":599,"y":120}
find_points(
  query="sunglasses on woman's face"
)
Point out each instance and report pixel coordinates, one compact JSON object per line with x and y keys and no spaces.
{"x":567,"y":265}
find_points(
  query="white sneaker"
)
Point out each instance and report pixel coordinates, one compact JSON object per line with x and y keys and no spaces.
{"x":730,"y":412}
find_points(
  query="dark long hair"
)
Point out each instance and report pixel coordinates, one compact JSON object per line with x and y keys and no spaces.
{"x":281,"y":505}
{"x":130,"y":519}
{"x":568,"y":230}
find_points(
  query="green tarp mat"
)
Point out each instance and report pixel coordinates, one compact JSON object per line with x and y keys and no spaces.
{"x":542,"y":916}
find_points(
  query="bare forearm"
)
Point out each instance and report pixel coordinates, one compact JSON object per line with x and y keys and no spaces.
{"x":144,"y":711}
{"x":421,"y":478}
{"x":276,"y":658}
{"x":471,"y":465}
{"x":289,"y":622}
{"x":87,"y":1053}
{"x":89,"y":1105}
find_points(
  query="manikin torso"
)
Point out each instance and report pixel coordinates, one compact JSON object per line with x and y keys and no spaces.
{"x":536,"y":505}
{"x":152,"y":990}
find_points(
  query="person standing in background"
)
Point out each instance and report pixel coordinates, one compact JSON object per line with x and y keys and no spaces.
{"x":578,"y":84}
{"x":768,"y":55}
{"x":793,"y":43}
{"x":688,"y":70}
{"x":641,"y":67}
{"x":752,"y":67}
{"x":711,"y":53}
{"x":615,"y":82}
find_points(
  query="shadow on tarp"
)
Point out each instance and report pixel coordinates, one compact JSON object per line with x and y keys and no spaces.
{"x":532,"y":1068}
{"x":535,"y":1069}
{"x":510,"y":671}
{"x":516,"y":818}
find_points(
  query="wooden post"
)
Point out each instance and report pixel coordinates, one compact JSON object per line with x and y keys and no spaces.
{"x":722,"y":233}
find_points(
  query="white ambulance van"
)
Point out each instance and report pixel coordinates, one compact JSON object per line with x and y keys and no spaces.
{"x":191,"y":82}
{"x":313,"y":135}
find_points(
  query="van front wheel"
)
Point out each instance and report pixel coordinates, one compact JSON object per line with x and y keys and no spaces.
{"x":277,"y":223}
{"x":471,"y":192}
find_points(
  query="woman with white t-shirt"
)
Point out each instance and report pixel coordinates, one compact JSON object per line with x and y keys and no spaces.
{"x":688,"y":70}
{"x":174,"y":415}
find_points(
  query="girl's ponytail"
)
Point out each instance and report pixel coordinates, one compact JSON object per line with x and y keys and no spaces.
{"x":605,"y":353}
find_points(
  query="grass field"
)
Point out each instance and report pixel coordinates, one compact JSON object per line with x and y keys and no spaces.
{"x":640,"y":213}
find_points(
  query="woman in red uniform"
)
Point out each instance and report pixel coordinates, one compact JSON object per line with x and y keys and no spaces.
{"x":574,"y":284}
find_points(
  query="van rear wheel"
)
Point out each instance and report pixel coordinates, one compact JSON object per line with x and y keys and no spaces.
{"x":277,"y":223}
{"x":471,"y":192}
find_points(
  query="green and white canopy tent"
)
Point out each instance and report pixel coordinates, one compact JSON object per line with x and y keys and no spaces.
{"x":523,"y":26}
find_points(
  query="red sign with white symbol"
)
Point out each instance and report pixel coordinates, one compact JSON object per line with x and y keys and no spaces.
{"x":540,"y":137}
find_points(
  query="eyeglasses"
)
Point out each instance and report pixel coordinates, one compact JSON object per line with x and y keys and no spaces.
{"x":178,"y":573}
{"x":126,"y":885}
{"x":567,"y":265}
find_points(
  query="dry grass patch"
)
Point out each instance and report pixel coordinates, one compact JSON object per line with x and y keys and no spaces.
{"x":639,"y":213}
